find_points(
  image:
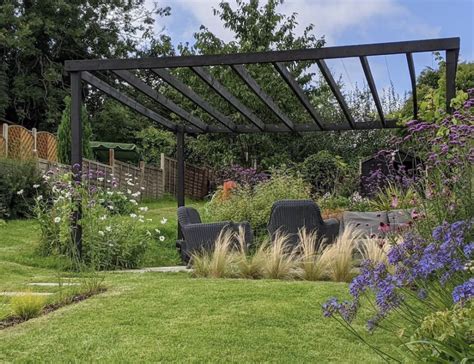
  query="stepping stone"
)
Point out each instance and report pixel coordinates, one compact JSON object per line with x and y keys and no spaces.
{"x":51,"y":284}
{"x":12,"y":294}
{"x":174,"y":269}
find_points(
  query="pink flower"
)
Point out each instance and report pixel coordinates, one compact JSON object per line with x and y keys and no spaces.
{"x":394,"y":203}
{"x":384,"y":228}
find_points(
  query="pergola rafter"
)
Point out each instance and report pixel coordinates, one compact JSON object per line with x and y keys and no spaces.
{"x":82,"y":70}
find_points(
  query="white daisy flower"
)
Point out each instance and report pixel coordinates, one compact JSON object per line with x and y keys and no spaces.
{"x":164,"y":220}
{"x":57,"y":220}
{"x":20,"y":192}
{"x":36,"y":186}
{"x":133,"y":216}
{"x":39,"y":198}
{"x":143,"y":209}
{"x":157,"y":231}
{"x":101,"y":233}
{"x":162,"y":238}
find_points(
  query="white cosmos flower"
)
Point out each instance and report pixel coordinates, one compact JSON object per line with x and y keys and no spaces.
{"x":101,"y":233}
{"x":108,"y":228}
{"x":20,"y":192}
{"x":36,"y":186}
{"x":143,"y":209}
{"x":110,"y":207}
{"x":57,"y":220}
{"x":164,"y":220}
{"x":133,"y":216}
{"x":162,"y":238}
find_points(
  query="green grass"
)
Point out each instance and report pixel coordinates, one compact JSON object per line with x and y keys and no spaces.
{"x":155,"y":317}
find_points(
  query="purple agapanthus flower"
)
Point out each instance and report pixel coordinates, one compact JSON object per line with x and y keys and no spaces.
{"x":464,"y":292}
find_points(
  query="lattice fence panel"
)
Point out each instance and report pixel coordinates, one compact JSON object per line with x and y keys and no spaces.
{"x":20,"y":142}
{"x":47,"y":146}
{"x":3,"y":147}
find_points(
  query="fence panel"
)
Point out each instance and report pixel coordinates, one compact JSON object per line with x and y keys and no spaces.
{"x":20,"y":142}
{"x":196,"y":179}
{"x":3,"y":147}
{"x":47,"y":146}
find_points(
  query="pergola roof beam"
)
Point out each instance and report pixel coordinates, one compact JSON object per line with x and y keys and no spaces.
{"x":124,"y":99}
{"x":298,"y":91}
{"x":162,"y":100}
{"x":411,"y":69}
{"x":266,"y":99}
{"x":194,"y":97}
{"x":373,"y":89}
{"x":428,"y":45}
{"x":224,"y":93}
{"x":336,"y":91}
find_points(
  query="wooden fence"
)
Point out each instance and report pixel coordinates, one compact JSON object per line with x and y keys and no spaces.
{"x":17,"y":142}
{"x":196,"y":179}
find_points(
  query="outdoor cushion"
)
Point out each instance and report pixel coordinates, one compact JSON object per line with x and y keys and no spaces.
{"x":368,"y":222}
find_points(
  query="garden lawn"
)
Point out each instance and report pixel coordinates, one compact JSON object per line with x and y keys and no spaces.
{"x":152,"y":317}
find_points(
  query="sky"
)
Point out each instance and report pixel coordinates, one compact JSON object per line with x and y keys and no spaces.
{"x":346,"y":22}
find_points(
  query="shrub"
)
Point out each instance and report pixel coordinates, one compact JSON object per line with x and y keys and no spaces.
{"x":323,"y":171}
{"x":20,"y":181}
{"x":241,"y":175}
{"x":254,"y":204}
{"x":109,"y":241}
{"x":27,"y":306}
{"x":394,"y":197}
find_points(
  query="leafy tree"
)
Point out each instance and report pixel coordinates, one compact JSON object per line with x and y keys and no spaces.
{"x":64,"y":134}
{"x":153,"y":141}
{"x":37,"y":36}
{"x":114,"y":122}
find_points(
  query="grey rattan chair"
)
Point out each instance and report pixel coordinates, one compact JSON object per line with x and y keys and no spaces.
{"x":288,"y":216}
{"x":198,"y":236}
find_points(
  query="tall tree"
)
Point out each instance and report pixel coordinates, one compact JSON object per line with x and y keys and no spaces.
{"x":37,"y":36}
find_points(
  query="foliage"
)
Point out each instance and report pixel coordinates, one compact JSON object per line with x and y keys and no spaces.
{"x":27,"y":306}
{"x":435,"y":267}
{"x":65,"y":134}
{"x":444,"y":334}
{"x":152,"y":142}
{"x":19,"y":182}
{"x":394,"y":197}
{"x":109,"y":242}
{"x":113,"y":122}
{"x":241,"y":175}
{"x":254,"y":204}
{"x":323,"y":170}
{"x":36,"y":38}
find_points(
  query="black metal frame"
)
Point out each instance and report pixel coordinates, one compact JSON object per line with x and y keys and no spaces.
{"x":80,"y":70}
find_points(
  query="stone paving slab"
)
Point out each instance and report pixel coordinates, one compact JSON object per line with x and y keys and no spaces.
{"x":174,"y":269}
{"x":12,"y":294}
{"x":53,"y":284}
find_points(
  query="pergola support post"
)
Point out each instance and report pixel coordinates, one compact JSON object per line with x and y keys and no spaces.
{"x":76,"y":154}
{"x":180,"y":171}
{"x":451,"y":60}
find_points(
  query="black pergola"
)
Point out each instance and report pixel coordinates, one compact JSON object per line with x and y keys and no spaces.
{"x":83,"y":70}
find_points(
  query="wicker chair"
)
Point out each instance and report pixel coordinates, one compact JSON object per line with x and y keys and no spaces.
{"x":288,"y":216}
{"x":198,"y":236}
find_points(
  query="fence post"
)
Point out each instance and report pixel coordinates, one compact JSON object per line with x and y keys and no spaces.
{"x":35,"y":142}
{"x":5,"y":136}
